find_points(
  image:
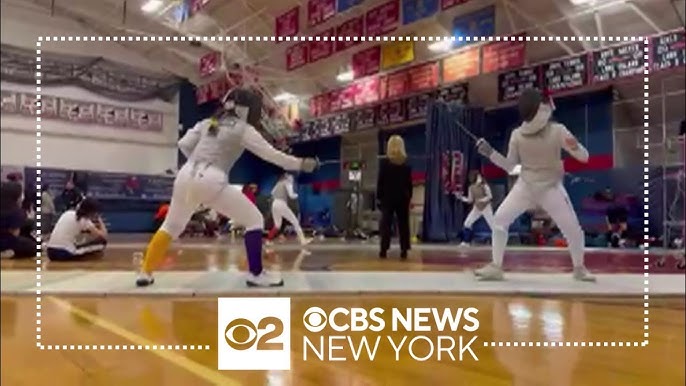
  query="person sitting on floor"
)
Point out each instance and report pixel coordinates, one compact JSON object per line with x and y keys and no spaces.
{"x":67,"y":241}
{"x":13,"y":243}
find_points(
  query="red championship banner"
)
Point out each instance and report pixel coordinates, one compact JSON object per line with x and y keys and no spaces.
{"x":383,"y":19}
{"x":501,"y":56}
{"x":324,"y":104}
{"x":10,"y":101}
{"x":109,"y":115}
{"x":197,"y":6}
{"x":396,"y":85}
{"x":457,"y":171}
{"x":422,"y":77}
{"x":366,"y":62}
{"x":49,"y":107}
{"x":347,"y":96}
{"x":202,"y":94}
{"x":351,"y":28}
{"x":335,"y":100}
{"x":208,"y":64}
{"x":446,"y":172}
{"x":461,"y":65}
{"x":75,"y":111}
{"x":27,"y":104}
{"x":323,"y":48}
{"x":145,"y":120}
{"x":319,"y":11}
{"x":314,"y":106}
{"x":239,"y":75}
{"x":296,"y":56}
{"x":218,"y":88}
{"x":367,"y":91}
{"x":445,"y":4}
{"x":288,"y":24}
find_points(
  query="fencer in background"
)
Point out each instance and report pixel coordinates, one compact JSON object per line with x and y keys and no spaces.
{"x":536,"y":145}
{"x":212,"y":147}
{"x":282,"y":192}
{"x":479,"y":194}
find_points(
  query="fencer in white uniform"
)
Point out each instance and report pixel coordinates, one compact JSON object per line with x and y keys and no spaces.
{"x":212,"y":147}
{"x":536,"y":145}
{"x":282,"y":191}
{"x":479,"y":194}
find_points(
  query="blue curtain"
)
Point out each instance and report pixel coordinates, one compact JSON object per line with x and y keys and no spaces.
{"x":443,"y":214}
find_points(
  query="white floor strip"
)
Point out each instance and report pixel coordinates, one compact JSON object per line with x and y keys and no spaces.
{"x":203,"y":283}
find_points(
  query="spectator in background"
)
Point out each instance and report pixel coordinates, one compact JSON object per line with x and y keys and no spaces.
{"x":250,"y":191}
{"x":394,"y":192}
{"x":14,"y":244}
{"x":616,"y":217}
{"x":71,"y":196}
{"x":47,"y":210}
{"x":67,"y":242}
{"x":161,"y":214}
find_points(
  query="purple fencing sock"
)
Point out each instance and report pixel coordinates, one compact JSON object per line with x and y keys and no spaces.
{"x":253,"y":248}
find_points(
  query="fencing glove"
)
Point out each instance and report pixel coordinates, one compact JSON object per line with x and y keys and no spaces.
{"x":309,"y":165}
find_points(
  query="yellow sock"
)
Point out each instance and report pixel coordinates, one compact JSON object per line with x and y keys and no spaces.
{"x":157,"y":248}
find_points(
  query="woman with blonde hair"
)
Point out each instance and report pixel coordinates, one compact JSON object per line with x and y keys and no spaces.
{"x":394,"y":192}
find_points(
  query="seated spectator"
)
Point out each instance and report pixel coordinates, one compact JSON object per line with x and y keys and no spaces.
{"x":15,"y":242}
{"x":47,"y":210}
{"x":71,"y":196}
{"x":616,"y":217}
{"x":67,"y":241}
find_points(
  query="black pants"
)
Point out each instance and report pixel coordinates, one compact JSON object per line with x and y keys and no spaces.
{"x":22,"y":247}
{"x":91,"y":249}
{"x":402,"y":214}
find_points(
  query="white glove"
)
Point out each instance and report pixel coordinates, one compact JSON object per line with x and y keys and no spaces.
{"x":484,"y":148}
{"x":309,"y":165}
{"x":460,"y":197}
{"x":516,"y":170}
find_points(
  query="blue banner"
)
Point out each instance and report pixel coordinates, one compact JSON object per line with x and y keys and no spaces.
{"x":344,"y":5}
{"x":414,"y":10}
{"x":104,"y":185}
{"x":479,"y":23}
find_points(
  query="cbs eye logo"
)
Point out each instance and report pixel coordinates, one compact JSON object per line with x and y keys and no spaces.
{"x":242,"y":334}
{"x":315,"y":319}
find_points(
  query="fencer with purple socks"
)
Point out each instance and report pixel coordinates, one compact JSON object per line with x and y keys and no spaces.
{"x":258,"y":277}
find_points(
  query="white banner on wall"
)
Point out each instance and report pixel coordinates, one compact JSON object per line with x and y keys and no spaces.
{"x":83,"y":112}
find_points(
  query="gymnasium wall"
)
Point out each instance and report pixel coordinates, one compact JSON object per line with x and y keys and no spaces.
{"x":110,"y":159}
{"x":73,"y":146}
{"x":92,"y":147}
{"x":22,"y":23}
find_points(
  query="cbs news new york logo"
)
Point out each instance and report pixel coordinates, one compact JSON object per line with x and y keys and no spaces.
{"x":255,"y":333}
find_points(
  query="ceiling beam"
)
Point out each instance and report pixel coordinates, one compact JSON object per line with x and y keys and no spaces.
{"x":645,"y":17}
{"x":599,"y":27}
{"x":536,"y":24}
{"x":587,"y":46}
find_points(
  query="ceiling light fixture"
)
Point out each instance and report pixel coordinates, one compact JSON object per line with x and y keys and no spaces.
{"x":582,"y":2}
{"x":151,"y":6}
{"x":284,"y":97}
{"x":345,"y":76}
{"x":440,"y":46}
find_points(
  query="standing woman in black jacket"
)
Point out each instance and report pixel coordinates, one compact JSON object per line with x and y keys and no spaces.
{"x":394,"y":192}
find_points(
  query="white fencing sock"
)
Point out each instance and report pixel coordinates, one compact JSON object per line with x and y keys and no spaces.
{"x":498,"y":244}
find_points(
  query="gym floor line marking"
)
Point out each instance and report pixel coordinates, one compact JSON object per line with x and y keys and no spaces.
{"x":212,"y":376}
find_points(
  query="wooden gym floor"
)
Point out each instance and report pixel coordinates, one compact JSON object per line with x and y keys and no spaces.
{"x":180,"y":320}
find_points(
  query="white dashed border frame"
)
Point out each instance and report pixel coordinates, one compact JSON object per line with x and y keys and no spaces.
{"x":124,"y":347}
